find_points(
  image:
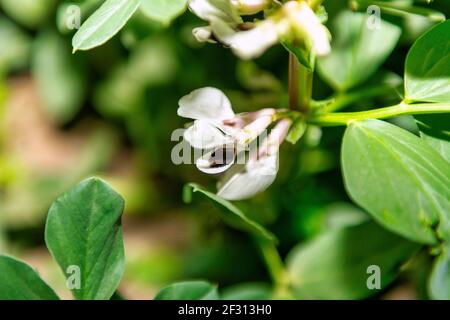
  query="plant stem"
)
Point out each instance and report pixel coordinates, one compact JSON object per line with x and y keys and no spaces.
{"x":293,"y":82}
{"x":300,"y":85}
{"x":344,"y":118}
{"x":305,"y":78}
{"x":273,"y":262}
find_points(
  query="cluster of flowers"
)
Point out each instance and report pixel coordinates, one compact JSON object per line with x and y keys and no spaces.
{"x":292,"y":21}
{"x":239,"y":144}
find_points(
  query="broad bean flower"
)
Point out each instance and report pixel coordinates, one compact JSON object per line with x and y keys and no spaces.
{"x":226,"y":139}
{"x":259,"y":172}
{"x":293,"y":21}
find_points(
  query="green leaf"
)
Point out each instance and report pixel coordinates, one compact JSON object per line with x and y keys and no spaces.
{"x":163,"y":11}
{"x":247,"y":291}
{"x":84,"y":230}
{"x":337,"y":264}
{"x":398,"y":178}
{"x":18,"y":281}
{"x":229,"y":212}
{"x":60,"y":77}
{"x":104,"y":23}
{"x":435,"y":130}
{"x":358,"y":50}
{"x":427,"y":71}
{"x":439,"y":283}
{"x":304,"y":54}
{"x":189,"y":290}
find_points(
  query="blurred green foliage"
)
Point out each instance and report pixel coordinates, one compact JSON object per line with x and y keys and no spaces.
{"x":115,"y":108}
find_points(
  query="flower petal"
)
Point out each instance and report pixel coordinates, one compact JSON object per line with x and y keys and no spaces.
{"x":203,"y":34}
{"x":254,"y":178}
{"x":217,"y":160}
{"x":215,"y":9}
{"x":204,"y":135}
{"x":206,"y":104}
{"x":247,"y":44}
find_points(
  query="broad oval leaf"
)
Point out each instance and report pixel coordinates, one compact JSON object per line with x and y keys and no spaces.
{"x":188,"y":290}
{"x":439,"y":283}
{"x":339,"y":263}
{"x":83,"y":232}
{"x":18,"y":281}
{"x":399,"y":179}
{"x":230,"y":213}
{"x":427,"y":70}
{"x":163,"y":11}
{"x":104,"y":23}
{"x":358,"y":49}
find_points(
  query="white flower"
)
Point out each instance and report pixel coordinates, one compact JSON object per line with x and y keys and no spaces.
{"x":247,"y":44}
{"x":209,"y":10}
{"x":209,"y":107}
{"x":246,"y":181}
{"x":206,"y":103}
{"x":224,"y":23}
{"x":294,"y":20}
{"x":217,"y":129}
{"x":306,"y":23}
{"x":259,"y":172}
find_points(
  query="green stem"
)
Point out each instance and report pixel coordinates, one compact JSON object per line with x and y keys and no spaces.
{"x":305,"y":78}
{"x":273,"y":262}
{"x":300,"y":85}
{"x":344,"y":118}
{"x":293,"y":82}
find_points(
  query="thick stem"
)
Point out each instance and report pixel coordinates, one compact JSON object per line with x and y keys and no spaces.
{"x":300,"y":85}
{"x":344,"y":118}
{"x":293,"y":82}
{"x":305,"y":78}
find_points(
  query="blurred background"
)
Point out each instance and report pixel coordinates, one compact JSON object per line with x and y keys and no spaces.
{"x":110,"y":113}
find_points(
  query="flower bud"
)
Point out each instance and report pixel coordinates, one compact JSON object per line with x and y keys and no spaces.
{"x":203,"y":34}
